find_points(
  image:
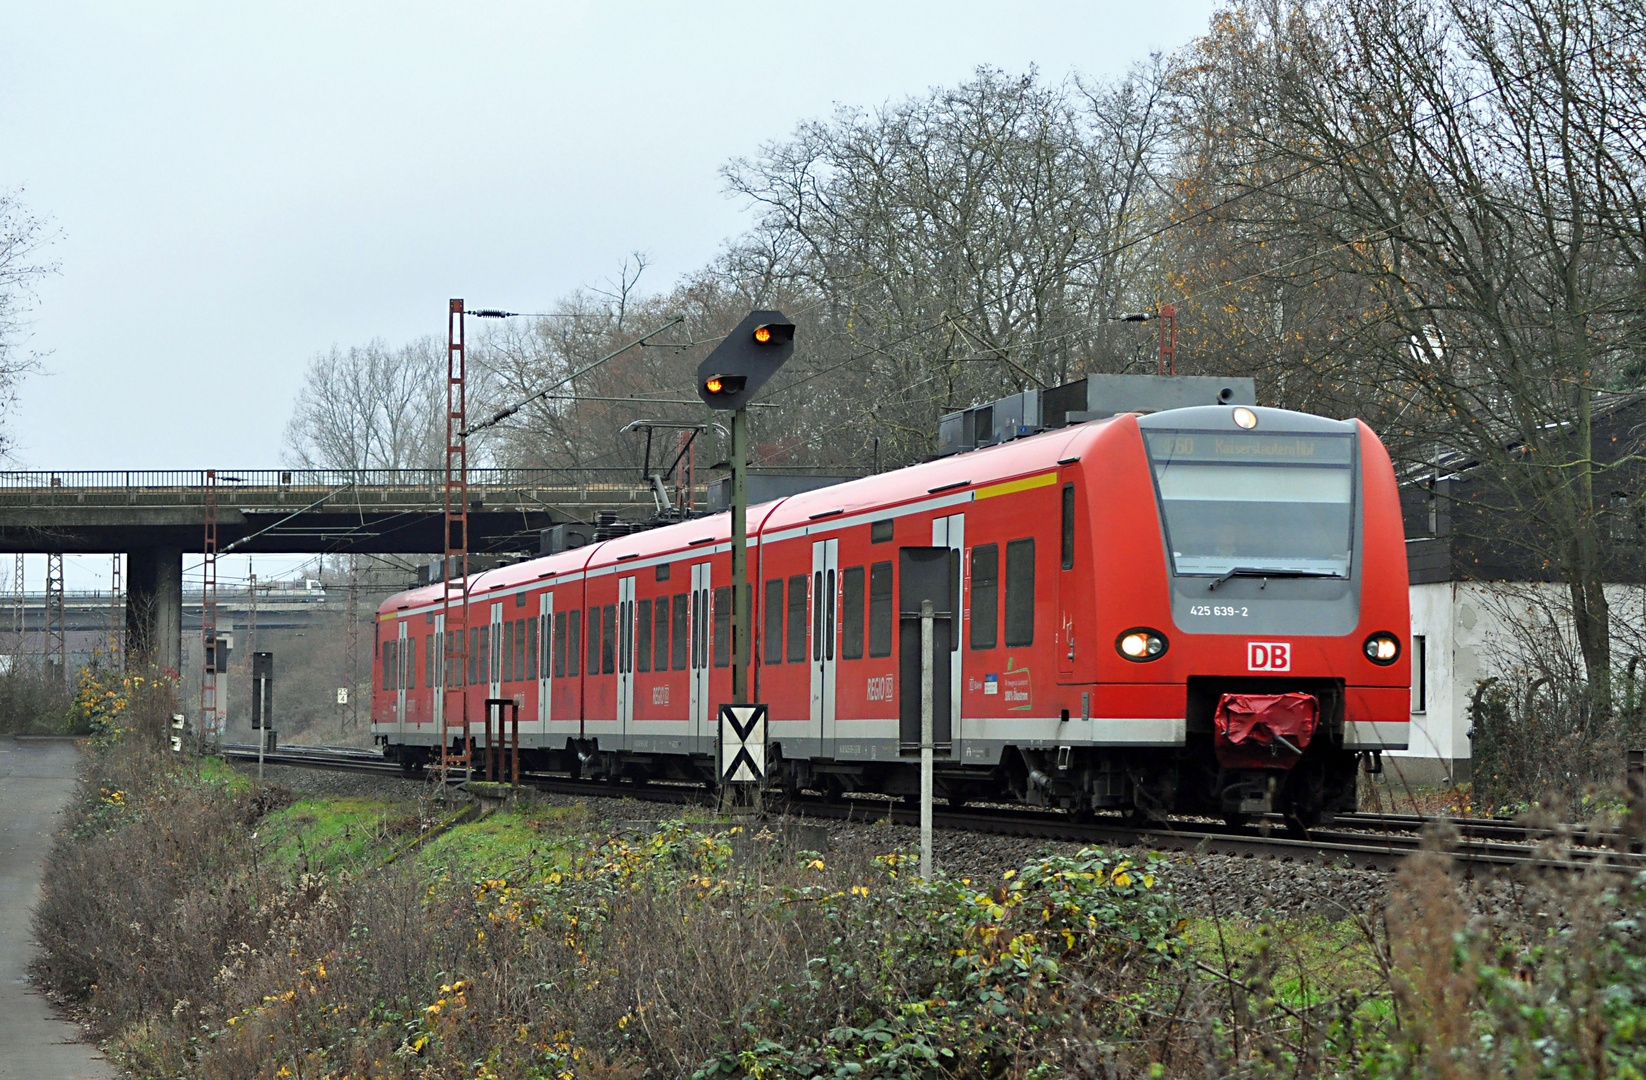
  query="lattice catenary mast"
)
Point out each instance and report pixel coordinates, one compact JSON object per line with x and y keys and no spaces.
{"x":208,"y":619}
{"x":455,"y":570}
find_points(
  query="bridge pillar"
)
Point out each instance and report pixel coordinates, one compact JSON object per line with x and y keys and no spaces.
{"x":154,"y":606}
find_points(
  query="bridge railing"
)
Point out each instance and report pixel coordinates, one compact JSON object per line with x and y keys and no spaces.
{"x":314,"y":479}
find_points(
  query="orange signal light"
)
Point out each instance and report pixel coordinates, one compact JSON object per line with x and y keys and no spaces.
{"x":714,"y":385}
{"x":762,"y":334}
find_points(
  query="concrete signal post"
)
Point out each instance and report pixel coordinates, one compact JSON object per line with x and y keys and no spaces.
{"x":727,"y":380}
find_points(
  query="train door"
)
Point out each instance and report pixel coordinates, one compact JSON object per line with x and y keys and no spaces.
{"x":545,"y":651}
{"x":925,"y":573}
{"x":625,"y":652}
{"x":825,"y":568}
{"x":437,"y":674}
{"x":1067,"y":602}
{"x":494,"y":654}
{"x":950,"y":532}
{"x":697,"y":690}
{"x":402,"y":663}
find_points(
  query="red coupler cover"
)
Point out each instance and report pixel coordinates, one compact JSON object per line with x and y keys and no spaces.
{"x":1263,"y":731}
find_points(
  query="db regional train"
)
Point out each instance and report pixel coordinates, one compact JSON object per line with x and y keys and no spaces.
{"x":1201,"y":610}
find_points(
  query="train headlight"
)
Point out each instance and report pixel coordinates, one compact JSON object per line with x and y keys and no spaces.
{"x":1246,"y":418}
{"x":1382,"y":648}
{"x":1141,"y":644}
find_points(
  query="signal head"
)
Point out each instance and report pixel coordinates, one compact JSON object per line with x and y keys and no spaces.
{"x":774,"y":333}
{"x":718,"y":387}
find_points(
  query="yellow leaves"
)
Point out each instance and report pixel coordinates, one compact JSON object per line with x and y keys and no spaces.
{"x":815,"y":864}
{"x":860,"y":890}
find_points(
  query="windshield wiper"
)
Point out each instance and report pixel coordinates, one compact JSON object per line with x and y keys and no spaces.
{"x":1252,"y":571}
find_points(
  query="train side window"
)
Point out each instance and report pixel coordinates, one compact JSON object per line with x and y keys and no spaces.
{"x":519,"y":599}
{"x":851,"y":613}
{"x":591,"y":638}
{"x":520,"y":650}
{"x":797,"y":619}
{"x":1020,"y":592}
{"x":772,"y":632}
{"x":679,"y":641}
{"x":643,"y":646}
{"x":817,"y":615}
{"x":531,"y":650}
{"x":428,"y":661}
{"x":574,"y":644}
{"x":880,"y":609}
{"x":474,"y":655}
{"x":386,"y":652}
{"x":985,"y":596}
{"x":608,"y":640}
{"x":659,"y":636}
{"x":560,"y":644}
{"x":662,"y":571}
{"x":723,"y":626}
{"x":508,"y":652}
{"x":1068,"y":526}
{"x":881,"y":531}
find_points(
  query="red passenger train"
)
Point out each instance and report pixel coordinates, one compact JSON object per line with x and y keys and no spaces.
{"x":1197,"y":610}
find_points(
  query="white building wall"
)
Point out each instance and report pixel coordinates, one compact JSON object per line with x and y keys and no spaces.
{"x":1478,"y":630}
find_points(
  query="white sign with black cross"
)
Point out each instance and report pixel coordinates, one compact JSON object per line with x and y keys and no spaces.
{"x":742,"y":744}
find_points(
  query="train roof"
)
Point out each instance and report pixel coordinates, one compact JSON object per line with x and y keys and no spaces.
{"x":1032,"y":454}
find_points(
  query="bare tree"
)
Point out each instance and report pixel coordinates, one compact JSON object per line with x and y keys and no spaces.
{"x":373,"y":407}
{"x":23,"y":240}
{"x":1438,"y":209}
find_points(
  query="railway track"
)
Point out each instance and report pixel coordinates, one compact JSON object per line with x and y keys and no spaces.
{"x":1364,"y":841}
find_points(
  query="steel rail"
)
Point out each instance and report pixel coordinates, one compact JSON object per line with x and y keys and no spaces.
{"x":1383,"y":842}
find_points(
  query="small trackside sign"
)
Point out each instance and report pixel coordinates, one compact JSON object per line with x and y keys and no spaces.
{"x":1268,"y":656}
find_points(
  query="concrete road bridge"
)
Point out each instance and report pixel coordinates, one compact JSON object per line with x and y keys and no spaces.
{"x":155,"y":517}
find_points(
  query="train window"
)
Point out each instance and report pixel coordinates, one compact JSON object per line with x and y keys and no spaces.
{"x":660,"y":635}
{"x":1020,"y":593}
{"x":817,"y":614}
{"x":723,"y":626}
{"x":519,"y":599}
{"x":428,"y":661}
{"x":643,"y":647}
{"x":662,"y":571}
{"x":985,"y":596}
{"x":591,"y":635}
{"x":881,"y":531}
{"x":531,"y":650}
{"x":880,"y":609}
{"x":797,"y":619}
{"x":608,"y":640}
{"x":851,"y":613}
{"x":387,"y":653}
{"x":828,"y":618}
{"x":559,"y":636}
{"x":1068,"y":526}
{"x":474,"y":655}
{"x":677,"y":647}
{"x":574,"y":644}
{"x":772,"y":632}
{"x":520,"y":650}
{"x":508,"y":652}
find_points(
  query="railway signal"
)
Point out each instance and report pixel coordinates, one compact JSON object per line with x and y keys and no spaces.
{"x":726,"y":380}
{"x":740,"y":365}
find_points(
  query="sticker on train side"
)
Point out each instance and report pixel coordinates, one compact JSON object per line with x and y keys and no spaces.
{"x":1268,"y":656}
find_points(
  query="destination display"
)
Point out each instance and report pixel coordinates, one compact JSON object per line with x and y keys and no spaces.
{"x":1249,"y":447}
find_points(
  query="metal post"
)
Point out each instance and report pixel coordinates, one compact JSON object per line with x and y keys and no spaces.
{"x":56,"y":651}
{"x":740,"y":557}
{"x":454,"y":697}
{"x":1635,"y":779}
{"x":926,"y":740}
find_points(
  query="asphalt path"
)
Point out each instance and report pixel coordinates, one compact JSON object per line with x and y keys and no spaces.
{"x":36,"y":779}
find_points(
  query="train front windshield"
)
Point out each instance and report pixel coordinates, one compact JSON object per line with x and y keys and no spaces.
{"x":1250,"y":502}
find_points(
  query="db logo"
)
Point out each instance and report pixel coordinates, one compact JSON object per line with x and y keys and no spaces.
{"x":1268,"y":656}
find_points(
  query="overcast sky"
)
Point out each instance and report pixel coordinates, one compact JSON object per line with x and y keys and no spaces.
{"x":240,"y":186}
